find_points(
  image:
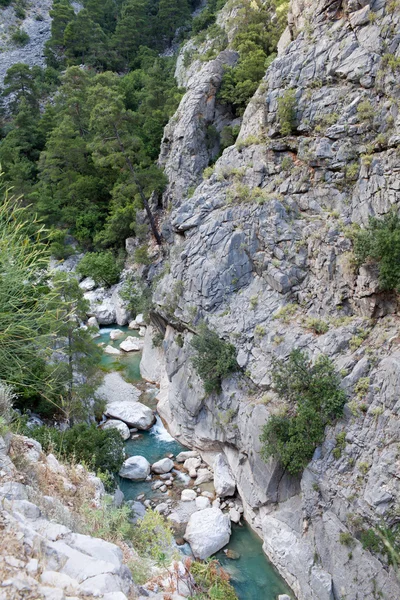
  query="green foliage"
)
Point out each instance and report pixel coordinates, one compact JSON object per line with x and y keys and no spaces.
{"x":106,"y":521}
{"x":319,"y":326}
{"x":101,"y":266}
{"x":27,"y":315}
{"x":212,"y":580}
{"x":287,"y":112}
{"x":99,"y":449}
{"x":138,"y":297}
{"x":314,"y":400}
{"x":379,"y":243}
{"x":214,"y":359}
{"x":152,"y":537}
{"x":365,"y":110}
{"x":346,"y":539}
{"x":20,"y":37}
{"x":257,"y":31}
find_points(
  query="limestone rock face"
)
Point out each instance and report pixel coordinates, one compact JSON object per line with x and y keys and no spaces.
{"x":152,"y":362}
{"x":208,"y":531}
{"x":258,"y":251}
{"x":136,"y":468}
{"x":224,"y":481}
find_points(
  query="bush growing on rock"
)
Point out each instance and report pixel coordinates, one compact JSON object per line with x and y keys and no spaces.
{"x":101,"y":266}
{"x":214,"y":359}
{"x":379,"y":243}
{"x":314,"y":400}
{"x":287,"y":112}
{"x":99,"y":449}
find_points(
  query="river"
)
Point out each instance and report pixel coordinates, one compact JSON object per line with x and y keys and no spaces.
{"x":252,"y":575}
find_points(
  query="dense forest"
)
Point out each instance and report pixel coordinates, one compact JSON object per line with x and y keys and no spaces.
{"x":80,"y":138}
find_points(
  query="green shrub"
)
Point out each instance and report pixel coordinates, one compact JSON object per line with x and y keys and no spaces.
{"x":379,"y":243}
{"x":106,"y":521}
{"x":101,"y":266}
{"x":99,"y":449}
{"x":212,"y":580}
{"x":214,"y":359}
{"x":365,"y":111}
{"x":20,"y":37}
{"x":152,"y":537}
{"x":287,"y":112}
{"x":141,"y":256}
{"x":319,"y":326}
{"x":346,"y":539}
{"x":315,"y":400}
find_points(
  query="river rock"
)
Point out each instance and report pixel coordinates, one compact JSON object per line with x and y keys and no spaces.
{"x":88,"y":284}
{"x":134,"y":414}
{"x":207,"y":532}
{"x":111,"y":350}
{"x":234,"y":515}
{"x":188,"y":495}
{"x":191,"y":465}
{"x":203,"y":476}
{"x":131,"y":344}
{"x":224,"y":481}
{"x":116,"y":334}
{"x":202,"y":503}
{"x":162,"y":508}
{"x":122,"y":428}
{"x":136,"y":468}
{"x":284,"y":597}
{"x":182,"y":456}
{"x":133,"y":325}
{"x":92,"y":322}
{"x":231,"y":554}
{"x":165,"y":465}
{"x":114,"y":388}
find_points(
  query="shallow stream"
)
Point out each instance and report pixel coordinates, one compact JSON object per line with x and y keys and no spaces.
{"x":252,"y":575}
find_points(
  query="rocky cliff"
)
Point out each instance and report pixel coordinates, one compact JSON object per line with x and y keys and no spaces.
{"x":261,"y":247}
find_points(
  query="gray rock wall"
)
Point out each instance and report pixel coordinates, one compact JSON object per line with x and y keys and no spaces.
{"x":36,"y":24}
{"x":260,"y":248}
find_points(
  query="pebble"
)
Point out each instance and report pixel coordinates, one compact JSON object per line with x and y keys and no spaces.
{"x":141,"y":497}
{"x":163,"y":488}
{"x":147,"y":503}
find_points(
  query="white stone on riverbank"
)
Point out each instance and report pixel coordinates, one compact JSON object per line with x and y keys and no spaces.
{"x":120,"y":426}
{"x":136,"y":468}
{"x":207,"y":532}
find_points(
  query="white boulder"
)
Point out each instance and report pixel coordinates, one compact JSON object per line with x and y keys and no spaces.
{"x":116,"y":334}
{"x":188,"y":495}
{"x":131,"y":344}
{"x":207,"y":532}
{"x":92,"y":322}
{"x":191,"y":465}
{"x":88,"y":284}
{"x":165,"y":465}
{"x":136,"y":468}
{"x":203,"y":476}
{"x":111,"y":350}
{"x":122,"y":428}
{"x":182,"y":456}
{"x":114,"y":388}
{"x":234,"y":515}
{"x":134,"y":414}
{"x":224,"y":481}
{"x":202,"y":503}
{"x":133,"y":325}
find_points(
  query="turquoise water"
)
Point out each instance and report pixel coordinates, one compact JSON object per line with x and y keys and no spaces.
{"x":252,"y":575}
{"x":127,"y":363}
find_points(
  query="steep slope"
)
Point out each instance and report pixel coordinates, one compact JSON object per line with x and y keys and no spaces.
{"x":260,"y":247}
{"x":35,"y":21}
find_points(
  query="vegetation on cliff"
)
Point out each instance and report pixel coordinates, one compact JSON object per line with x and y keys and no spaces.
{"x":313,"y":399}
